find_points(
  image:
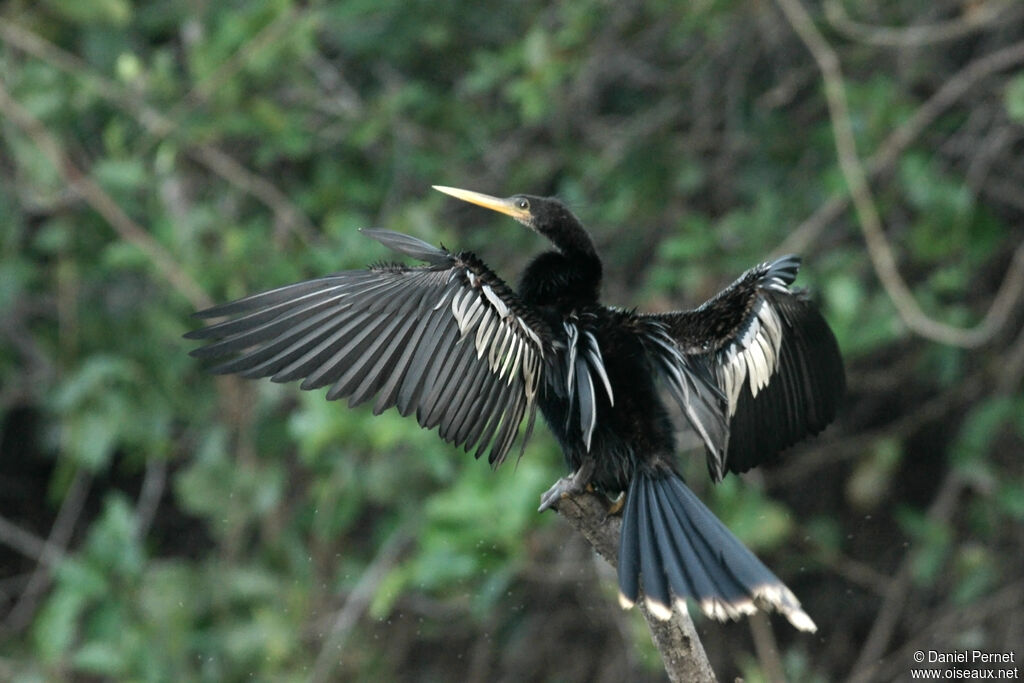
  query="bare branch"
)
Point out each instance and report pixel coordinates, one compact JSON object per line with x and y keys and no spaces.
{"x":879,"y":249}
{"x":103,"y":203}
{"x":27,"y":543}
{"x":975,"y":17}
{"x":357,"y":603}
{"x":767,"y":648}
{"x":60,"y":535}
{"x":226,"y":70}
{"x":941,"y":510}
{"x":153,"y":485}
{"x":160,"y":126}
{"x":676,"y":639}
{"x":899,"y":140}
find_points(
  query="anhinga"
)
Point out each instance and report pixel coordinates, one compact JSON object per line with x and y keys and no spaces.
{"x":754,"y":370}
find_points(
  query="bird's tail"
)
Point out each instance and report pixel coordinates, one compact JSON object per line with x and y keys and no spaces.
{"x":681,"y":549}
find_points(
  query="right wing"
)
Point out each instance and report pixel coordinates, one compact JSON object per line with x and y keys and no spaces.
{"x":448,"y":340}
{"x":773,"y":357}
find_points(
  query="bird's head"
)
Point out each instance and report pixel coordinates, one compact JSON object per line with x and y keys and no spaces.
{"x":545,"y":215}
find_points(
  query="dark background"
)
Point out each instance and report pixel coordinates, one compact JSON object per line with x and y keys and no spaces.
{"x":160,"y":524}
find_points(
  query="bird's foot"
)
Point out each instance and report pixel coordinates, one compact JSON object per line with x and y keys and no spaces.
{"x":577,"y":482}
{"x":562,"y":488}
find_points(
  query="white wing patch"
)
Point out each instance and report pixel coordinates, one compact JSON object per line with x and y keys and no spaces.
{"x":511,"y":347}
{"x":692,"y":390}
{"x":448,"y":342}
{"x":751,"y":358}
{"x":583,"y":362}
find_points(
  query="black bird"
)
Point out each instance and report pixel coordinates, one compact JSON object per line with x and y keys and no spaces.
{"x":754,"y":370}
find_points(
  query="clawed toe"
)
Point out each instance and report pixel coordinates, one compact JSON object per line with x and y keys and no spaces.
{"x":615,"y":506}
{"x":576,"y":483}
{"x":562,"y":488}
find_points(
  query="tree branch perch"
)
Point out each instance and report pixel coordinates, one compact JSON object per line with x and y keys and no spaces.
{"x":676,"y":639}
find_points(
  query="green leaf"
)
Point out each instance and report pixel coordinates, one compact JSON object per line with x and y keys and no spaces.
{"x":14,"y":277}
{"x":82,"y":578}
{"x":970,"y":452}
{"x":112,"y":541}
{"x":121,"y":175}
{"x":868,"y":485}
{"x":975,"y":571}
{"x":388,"y":591}
{"x":826,"y":533}
{"x":760,"y":523}
{"x":55,"y":629}
{"x":99,"y":659}
{"x":1013,"y":98}
{"x":115,"y":12}
{"x":932,"y":541}
{"x":1010,"y":497}
{"x":91,"y":438}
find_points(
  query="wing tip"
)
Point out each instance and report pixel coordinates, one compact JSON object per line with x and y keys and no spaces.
{"x":206,"y":313}
{"x":408,"y":245}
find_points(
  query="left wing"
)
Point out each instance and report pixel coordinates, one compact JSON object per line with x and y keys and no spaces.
{"x":773,"y":357}
{"x":448,"y":341}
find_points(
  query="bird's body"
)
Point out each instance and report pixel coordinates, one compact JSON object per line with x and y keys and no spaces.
{"x":632,"y":426}
{"x":753,"y":370}
{"x":564,"y":286}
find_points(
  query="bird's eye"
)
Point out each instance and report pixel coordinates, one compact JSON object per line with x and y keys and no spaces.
{"x":523,"y":203}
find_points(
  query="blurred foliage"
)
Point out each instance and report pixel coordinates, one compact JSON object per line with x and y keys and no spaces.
{"x":212,"y":529}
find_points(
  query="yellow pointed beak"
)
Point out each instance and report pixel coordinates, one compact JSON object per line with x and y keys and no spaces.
{"x":505,"y":206}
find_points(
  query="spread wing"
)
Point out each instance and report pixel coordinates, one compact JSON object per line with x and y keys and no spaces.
{"x":447,"y":340}
{"x":773,"y":357}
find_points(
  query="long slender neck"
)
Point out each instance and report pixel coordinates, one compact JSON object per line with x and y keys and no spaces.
{"x":567,"y":278}
{"x":573,"y":241}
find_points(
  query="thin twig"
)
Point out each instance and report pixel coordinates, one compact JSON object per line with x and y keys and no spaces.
{"x":160,"y":125}
{"x":357,"y":603}
{"x":955,"y":619}
{"x":1012,"y":375}
{"x":879,"y":249}
{"x":767,"y":648}
{"x":975,"y":17}
{"x":153,"y":484}
{"x":828,"y":454}
{"x":854,"y":571}
{"x":226,"y":70}
{"x":286,"y":213}
{"x":28,"y":544}
{"x":676,"y":639}
{"x":60,"y":535}
{"x":941,"y":510}
{"x":889,"y":152}
{"x":103,"y":203}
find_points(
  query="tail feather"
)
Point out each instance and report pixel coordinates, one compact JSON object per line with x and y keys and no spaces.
{"x":705,"y":555}
{"x":651,"y":560}
{"x":732,"y":569}
{"x":681,"y":549}
{"x":629,"y":553}
{"x":688,"y":576}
